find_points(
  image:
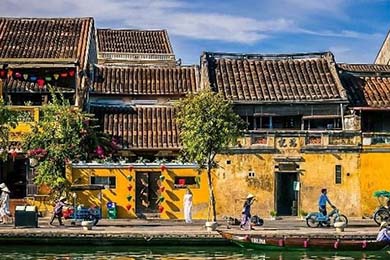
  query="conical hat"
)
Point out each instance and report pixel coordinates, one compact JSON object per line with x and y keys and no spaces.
{"x":250,"y":195}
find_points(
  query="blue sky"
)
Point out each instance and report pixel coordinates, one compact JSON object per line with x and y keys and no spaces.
{"x":352,"y":29}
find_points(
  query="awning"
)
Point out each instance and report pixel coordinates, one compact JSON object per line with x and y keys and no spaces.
{"x":86,"y":187}
{"x":111,"y":107}
{"x":320,"y":117}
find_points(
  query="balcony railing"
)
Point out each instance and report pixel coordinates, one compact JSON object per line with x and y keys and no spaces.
{"x":376,"y":139}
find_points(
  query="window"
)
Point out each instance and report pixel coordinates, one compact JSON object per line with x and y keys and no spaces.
{"x":338,"y":174}
{"x":184,"y":182}
{"x":104,"y":180}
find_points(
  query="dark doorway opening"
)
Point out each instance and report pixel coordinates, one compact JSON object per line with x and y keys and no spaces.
{"x":14,"y":173}
{"x":147,"y":192}
{"x":286,"y":196}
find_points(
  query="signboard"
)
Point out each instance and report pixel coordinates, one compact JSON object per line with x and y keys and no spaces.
{"x":296,"y":185}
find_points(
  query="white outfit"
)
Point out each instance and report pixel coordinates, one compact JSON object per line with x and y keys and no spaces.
{"x":188,"y":208}
{"x":4,"y":207}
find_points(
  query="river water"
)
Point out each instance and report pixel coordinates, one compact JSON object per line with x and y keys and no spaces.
{"x":173,"y":253}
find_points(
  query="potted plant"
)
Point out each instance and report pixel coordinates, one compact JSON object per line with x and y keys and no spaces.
{"x":272,"y":214}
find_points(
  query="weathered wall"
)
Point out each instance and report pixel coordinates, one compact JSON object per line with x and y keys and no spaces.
{"x":317,"y":170}
{"x":375,"y":175}
{"x":125,"y":192}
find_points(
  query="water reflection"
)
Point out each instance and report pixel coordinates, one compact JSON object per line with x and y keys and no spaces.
{"x":177,"y":253}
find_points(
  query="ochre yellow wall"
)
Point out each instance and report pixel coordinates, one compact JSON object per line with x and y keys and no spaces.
{"x":375,"y":175}
{"x":125,"y":186}
{"x":317,"y":171}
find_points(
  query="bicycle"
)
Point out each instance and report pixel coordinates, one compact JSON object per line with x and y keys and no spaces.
{"x":382,"y":213}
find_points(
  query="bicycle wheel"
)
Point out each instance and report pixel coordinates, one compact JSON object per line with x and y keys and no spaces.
{"x":341,"y":218}
{"x":312,"y":222}
{"x":381,"y":215}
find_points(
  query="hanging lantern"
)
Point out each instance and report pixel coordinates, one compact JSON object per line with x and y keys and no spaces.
{"x":9,"y":74}
{"x":2,"y":73}
{"x":131,"y":167}
{"x":160,"y":199}
{"x":163,"y":167}
{"x":41,"y":83}
{"x":56,"y":76}
{"x":64,"y":74}
{"x":33,"y":78}
{"x":18,"y":75}
{"x":48,"y":78}
{"x":162,"y":189}
{"x":162,"y":177}
{"x":128,"y":206}
{"x":129,"y":177}
{"x":129,"y":188}
{"x":71,"y":73}
{"x":25,"y":76}
{"x":129,"y":197}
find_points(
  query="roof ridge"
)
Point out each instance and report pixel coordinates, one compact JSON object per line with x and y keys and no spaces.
{"x":270,"y":56}
{"x":46,"y":18}
{"x":128,"y":29}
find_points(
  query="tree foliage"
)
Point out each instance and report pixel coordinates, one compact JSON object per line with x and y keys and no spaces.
{"x":208,"y":125}
{"x":63,"y":133}
{"x":8,"y":120}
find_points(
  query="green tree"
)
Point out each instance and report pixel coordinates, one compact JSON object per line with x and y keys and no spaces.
{"x":63,"y":133}
{"x":8,"y":120}
{"x":208,"y":125}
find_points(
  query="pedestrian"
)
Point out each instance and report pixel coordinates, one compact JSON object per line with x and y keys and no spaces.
{"x":246,"y":213}
{"x":5,"y":214}
{"x":187,"y":201}
{"x":57,"y":212}
{"x":322,"y":202}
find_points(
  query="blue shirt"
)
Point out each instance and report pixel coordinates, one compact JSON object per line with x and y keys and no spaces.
{"x":323,"y":199}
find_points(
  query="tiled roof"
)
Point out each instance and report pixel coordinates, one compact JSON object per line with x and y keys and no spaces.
{"x":368,"y":89}
{"x":364,"y":67}
{"x":178,"y":80}
{"x":134,"y":41}
{"x":45,"y":38}
{"x":22,"y":86}
{"x":273,"y":78}
{"x":150,"y":127}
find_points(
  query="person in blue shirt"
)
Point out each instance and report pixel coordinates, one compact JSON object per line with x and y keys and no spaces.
{"x":246,"y":213}
{"x":322,"y":202}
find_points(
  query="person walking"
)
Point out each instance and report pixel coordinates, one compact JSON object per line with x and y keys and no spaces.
{"x":57,"y":212}
{"x":246,"y":213}
{"x":187,"y":201}
{"x":4,"y":204}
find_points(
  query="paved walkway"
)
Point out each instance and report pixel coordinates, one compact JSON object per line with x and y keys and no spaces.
{"x":165,"y":231}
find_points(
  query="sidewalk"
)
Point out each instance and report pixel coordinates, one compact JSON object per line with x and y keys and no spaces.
{"x":167,"y":232}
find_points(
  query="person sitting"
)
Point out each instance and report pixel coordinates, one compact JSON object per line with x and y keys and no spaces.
{"x":384,"y":232}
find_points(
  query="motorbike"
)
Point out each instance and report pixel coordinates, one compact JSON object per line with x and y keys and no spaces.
{"x":80,"y":213}
{"x":316,"y":219}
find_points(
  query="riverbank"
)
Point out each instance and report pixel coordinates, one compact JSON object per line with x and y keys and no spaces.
{"x":168,"y":233}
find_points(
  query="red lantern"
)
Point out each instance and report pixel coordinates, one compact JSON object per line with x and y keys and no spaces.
{"x":64,"y":74}
{"x":128,"y":206}
{"x":9,"y":74}
{"x":163,"y":167}
{"x":41,"y":83}
{"x":182,"y":182}
{"x":162,"y":189}
{"x":71,"y":73}
{"x":129,"y":188}
{"x":131,"y":167}
{"x":160,"y":209}
{"x":2,"y":73}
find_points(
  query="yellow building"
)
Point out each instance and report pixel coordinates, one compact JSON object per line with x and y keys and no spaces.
{"x":142,"y":190}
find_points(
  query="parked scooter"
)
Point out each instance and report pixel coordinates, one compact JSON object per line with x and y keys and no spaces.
{"x":316,"y":219}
